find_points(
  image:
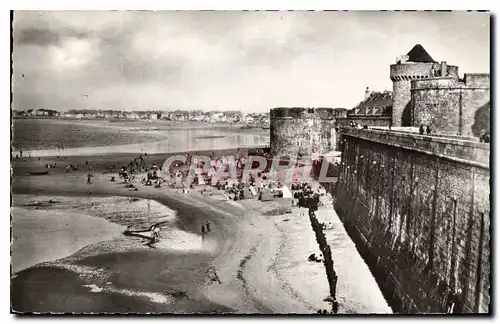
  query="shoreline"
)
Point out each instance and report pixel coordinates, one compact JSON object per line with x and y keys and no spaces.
{"x":128,"y":149}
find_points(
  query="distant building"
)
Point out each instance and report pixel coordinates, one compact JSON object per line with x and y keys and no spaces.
{"x":375,"y":104}
{"x":374,"y":110}
{"x":46,"y":113}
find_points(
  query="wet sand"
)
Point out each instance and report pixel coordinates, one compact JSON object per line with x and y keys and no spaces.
{"x":248,"y":263}
{"x":35,"y":233}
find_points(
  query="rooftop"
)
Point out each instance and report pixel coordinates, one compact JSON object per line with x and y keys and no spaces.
{"x":418,"y":54}
{"x":376,"y":104}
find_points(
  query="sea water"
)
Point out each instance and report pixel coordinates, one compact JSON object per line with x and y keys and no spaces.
{"x":65,"y":138}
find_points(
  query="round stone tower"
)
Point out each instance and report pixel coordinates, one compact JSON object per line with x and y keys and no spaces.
{"x":415,"y":65}
{"x":448,"y":105}
{"x":302,"y":131}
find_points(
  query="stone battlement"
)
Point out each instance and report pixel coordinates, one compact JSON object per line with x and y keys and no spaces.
{"x":477,"y":80}
{"x":458,"y":150}
{"x":302,"y":113}
{"x":470,"y":81}
{"x":416,"y":71}
{"x":437,"y":83}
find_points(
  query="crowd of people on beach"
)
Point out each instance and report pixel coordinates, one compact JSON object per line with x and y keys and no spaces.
{"x":20,"y":154}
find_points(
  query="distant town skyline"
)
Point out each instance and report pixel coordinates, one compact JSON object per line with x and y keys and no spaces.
{"x":248,"y":61}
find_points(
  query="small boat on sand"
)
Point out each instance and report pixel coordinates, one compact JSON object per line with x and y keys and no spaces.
{"x":39,"y":173}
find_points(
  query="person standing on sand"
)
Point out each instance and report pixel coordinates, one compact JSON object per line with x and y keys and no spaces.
{"x":88,"y":178}
{"x":208,"y":227}
{"x":157,"y":233}
{"x":202,"y":230}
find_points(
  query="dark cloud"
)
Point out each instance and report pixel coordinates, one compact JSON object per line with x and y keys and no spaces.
{"x":44,"y":36}
{"x":34,"y":36}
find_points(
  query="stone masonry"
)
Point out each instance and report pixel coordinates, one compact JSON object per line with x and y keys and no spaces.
{"x":301,"y":131}
{"x":448,"y":105}
{"x":418,"y":208}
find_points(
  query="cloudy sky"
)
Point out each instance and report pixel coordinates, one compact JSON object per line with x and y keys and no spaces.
{"x":249,"y":61}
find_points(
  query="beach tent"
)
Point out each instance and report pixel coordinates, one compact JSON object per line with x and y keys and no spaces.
{"x":199,"y":180}
{"x":286,"y":192}
{"x":247,"y":193}
{"x":266,"y":195}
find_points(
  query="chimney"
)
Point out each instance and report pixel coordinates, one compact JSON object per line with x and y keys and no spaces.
{"x":367,"y":93}
{"x":443,"y":68}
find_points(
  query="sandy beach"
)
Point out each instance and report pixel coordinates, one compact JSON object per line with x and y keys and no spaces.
{"x":34,"y":232}
{"x":248,"y":263}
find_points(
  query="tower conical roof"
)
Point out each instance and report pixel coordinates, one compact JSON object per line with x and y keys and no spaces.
{"x":419,"y":54}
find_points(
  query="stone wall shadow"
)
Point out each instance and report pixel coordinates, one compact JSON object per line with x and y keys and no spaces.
{"x":406,"y":116}
{"x":482,"y":120}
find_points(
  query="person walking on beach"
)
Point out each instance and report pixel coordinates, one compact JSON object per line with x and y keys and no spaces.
{"x":88,"y":178}
{"x":202,"y":230}
{"x":155,"y":234}
{"x":208,"y":227}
